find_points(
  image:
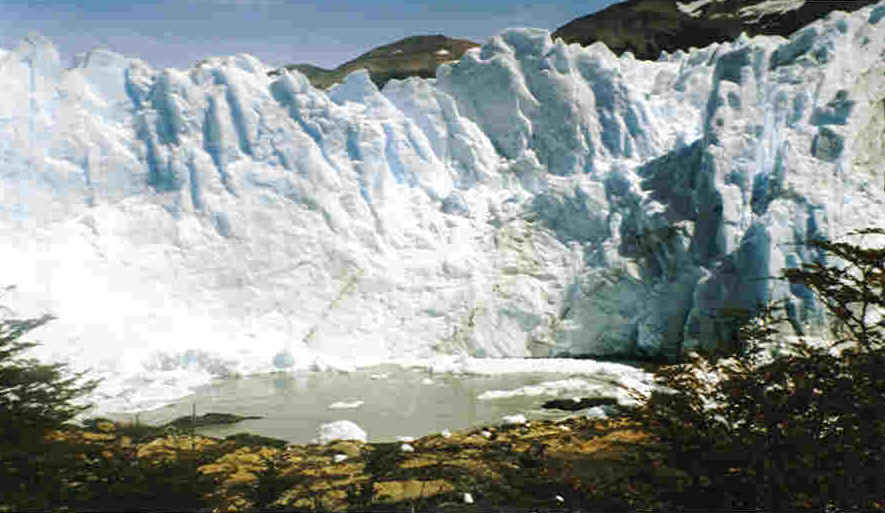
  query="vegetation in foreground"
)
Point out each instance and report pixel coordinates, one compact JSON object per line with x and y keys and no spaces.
{"x":801,"y":432}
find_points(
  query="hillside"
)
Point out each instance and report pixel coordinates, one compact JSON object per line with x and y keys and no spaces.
{"x":415,"y":56}
{"x":648,"y":27}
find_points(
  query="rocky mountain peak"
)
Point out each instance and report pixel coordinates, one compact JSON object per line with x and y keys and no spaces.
{"x":414,"y":56}
{"x":648,"y":27}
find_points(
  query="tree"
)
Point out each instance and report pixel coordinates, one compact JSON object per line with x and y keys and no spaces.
{"x":852,"y":289}
{"x":801,"y":430}
{"x":34,"y":397}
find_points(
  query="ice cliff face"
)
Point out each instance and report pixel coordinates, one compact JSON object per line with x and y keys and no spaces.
{"x":534,"y":199}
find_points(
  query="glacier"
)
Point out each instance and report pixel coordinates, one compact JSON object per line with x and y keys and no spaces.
{"x":535,"y":199}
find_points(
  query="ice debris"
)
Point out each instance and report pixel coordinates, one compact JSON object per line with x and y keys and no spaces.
{"x":344,"y":405}
{"x":519,"y":418}
{"x":340,"y":430}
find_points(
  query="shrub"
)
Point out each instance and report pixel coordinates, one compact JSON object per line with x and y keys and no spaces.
{"x":64,"y":471}
{"x":803,"y":430}
{"x":34,"y":397}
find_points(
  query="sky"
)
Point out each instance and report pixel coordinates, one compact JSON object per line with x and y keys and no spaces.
{"x":179,"y":33}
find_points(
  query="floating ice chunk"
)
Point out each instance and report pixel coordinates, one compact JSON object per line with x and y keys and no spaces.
{"x":379,"y":376}
{"x":548,"y":388}
{"x":326,"y":363}
{"x":343,"y":405}
{"x":519,"y":418}
{"x":283,"y":360}
{"x":463,"y":364}
{"x":340,"y":430}
{"x":596,"y":412}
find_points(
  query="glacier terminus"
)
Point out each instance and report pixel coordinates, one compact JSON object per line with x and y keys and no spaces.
{"x":534,"y":199}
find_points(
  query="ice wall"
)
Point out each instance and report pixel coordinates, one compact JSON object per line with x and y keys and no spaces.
{"x":533,"y":199}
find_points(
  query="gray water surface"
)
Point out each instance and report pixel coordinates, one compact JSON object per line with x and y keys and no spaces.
{"x":402,"y":404}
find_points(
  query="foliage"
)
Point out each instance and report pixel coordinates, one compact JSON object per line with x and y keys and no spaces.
{"x":34,"y":397}
{"x":44,"y":467}
{"x":380,"y":462}
{"x":271,"y":482}
{"x":851,"y":290}
{"x":803,"y":430}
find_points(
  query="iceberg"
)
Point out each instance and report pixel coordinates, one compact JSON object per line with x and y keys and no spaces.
{"x":535,"y":199}
{"x":339,"y":430}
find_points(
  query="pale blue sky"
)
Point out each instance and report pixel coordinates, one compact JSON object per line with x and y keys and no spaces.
{"x":325,"y":32}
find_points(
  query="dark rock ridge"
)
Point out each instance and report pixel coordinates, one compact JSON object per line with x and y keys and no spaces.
{"x":579,"y":404}
{"x":209,"y":419}
{"x":415,"y":56}
{"x":251,"y":440}
{"x":648,"y":27}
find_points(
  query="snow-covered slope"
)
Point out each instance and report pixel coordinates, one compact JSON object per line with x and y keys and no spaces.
{"x":534,"y":199}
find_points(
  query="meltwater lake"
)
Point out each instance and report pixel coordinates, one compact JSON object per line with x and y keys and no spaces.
{"x":386,"y":401}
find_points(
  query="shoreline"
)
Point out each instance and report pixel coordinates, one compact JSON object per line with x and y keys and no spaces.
{"x":295,"y":404}
{"x":514,"y":465}
{"x":444,"y":369}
